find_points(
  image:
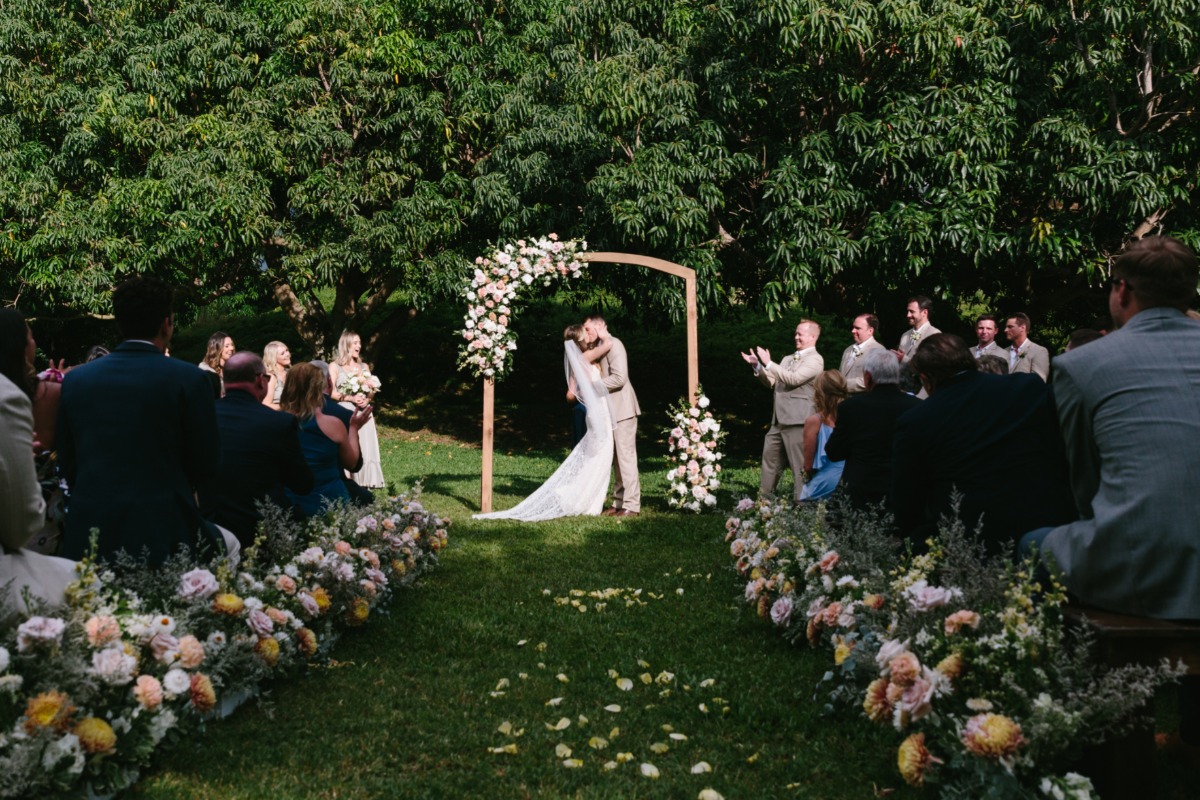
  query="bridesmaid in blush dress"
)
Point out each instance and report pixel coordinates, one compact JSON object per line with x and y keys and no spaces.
{"x":346,"y":366}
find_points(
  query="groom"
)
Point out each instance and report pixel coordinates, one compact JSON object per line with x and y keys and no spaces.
{"x":623,"y":405}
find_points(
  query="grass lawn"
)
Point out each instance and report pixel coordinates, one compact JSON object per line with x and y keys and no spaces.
{"x":414,"y":703}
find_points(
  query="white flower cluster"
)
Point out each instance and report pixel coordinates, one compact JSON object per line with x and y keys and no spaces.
{"x":694,"y":446}
{"x":358,"y":383}
{"x":493,"y":291}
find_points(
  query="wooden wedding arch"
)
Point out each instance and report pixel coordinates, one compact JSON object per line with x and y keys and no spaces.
{"x":693,"y":355}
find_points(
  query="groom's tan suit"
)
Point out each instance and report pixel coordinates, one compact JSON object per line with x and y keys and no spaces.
{"x":623,"y":406}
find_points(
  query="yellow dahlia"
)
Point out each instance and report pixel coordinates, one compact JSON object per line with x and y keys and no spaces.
{"x":764,"y":605}
{"x":95,"y":735}
{"x":951,"y":666}
{"x":48,"y":710}
{"x":399,"y":567}
{"x":268,"y":650}
{"x":306,"y":641}
{"x":841,"y":653}
{"x":992,"y":735}
{"x":914,"y":760}
{"x":358,"y":611}
{"x":322,"y":597}
{"x":204,"y":697}
{"x":229,"y":604}
{"x":876,"y":703}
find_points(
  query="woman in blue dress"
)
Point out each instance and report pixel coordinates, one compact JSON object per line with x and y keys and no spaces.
{"x":327,"y":445}
{"x":829,"y":390}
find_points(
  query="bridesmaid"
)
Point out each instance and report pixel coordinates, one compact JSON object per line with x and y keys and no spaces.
{"x":829,"y":390}
{"x":220,"y":348}
{"x":278,"y":360}
{"x":347,"y":366}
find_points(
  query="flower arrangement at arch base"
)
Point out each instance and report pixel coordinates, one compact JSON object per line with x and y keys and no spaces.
{"x":694,"y":450}
{"x":144,"y":656}
{"x":966,"y":657}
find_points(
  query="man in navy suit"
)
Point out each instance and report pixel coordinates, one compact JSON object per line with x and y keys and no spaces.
{"x":137,"y":432}
{"x":992,"y":438}
{"x":260,"y":452}
{"x":866,"y":423}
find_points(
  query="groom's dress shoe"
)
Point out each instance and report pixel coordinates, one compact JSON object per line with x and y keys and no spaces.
{"x":611,"y":511}
{"x":625,"y":513}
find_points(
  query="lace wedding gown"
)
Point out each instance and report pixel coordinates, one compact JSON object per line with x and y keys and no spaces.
{"x":580,"y":483}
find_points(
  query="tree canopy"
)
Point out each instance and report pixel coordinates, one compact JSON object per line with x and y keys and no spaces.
{"x":348,"y":159}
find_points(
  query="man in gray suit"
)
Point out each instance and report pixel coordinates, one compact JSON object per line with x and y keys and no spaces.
{"x":624,"y":408}
{"x":792,"y":381}
{"x":1129,"y":405}
{"x":853,"y":358}
{"x":1025,"y":355}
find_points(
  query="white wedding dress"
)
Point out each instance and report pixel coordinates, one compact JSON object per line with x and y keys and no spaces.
{"x":580,"y":483}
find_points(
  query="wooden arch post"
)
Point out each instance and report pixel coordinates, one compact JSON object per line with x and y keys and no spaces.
{"x":693,"y":355}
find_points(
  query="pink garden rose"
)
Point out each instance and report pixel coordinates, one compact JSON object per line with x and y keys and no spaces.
{"x":829,"y":561}
{"x":191,"y":652}
{"x":285,"y":584}
{"x":956,"y":621}
{"x":199,"y":584}
{"x":781,"y":611}
{"x":38,"y":631}
{"x":101,"y":630}
{"x":260,"y":623}
{"x":148,"y":692}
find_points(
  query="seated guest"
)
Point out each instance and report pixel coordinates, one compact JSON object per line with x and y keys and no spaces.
{"x":260,"y":452}
{"x":992,"y":439}
{"x":278,"y":360}
{"x":1128,"y":408}
{"x":22,"y":507}
{"x":993,"y":365}
{"x":821,"y":474}
{"x":329,"y":447}
{"x":863,"y":435}
{"x":137,"y":432}
{"x":359,"y":495}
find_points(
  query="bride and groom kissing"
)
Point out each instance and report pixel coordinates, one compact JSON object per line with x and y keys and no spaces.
{"x":597,"y":373}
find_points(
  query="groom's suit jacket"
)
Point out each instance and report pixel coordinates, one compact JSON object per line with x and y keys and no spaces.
{"x":1129,"y":406}
{"x":137,"y":432}
{"x":622,"y":400}
{"x":792,"y":379}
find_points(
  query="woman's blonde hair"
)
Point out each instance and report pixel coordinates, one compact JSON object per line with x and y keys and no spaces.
{"x":304,"y":390}
{"x":270,"y":353}
{"x":343,"y":348}
{"x":575,"y":333}
{"x":829,"y":390}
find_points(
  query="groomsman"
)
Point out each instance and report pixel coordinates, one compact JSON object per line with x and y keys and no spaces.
{"x":853,"y":358}
{"x":986,"y":328}
{"x":792,"y":382}
{"x":1023,"y":354}
{"x":917,"y":314}
{"x":624,"y":408}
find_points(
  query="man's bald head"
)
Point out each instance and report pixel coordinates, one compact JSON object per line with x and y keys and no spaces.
{"x":243,"y":371}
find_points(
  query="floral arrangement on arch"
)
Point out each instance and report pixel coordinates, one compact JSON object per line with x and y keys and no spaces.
{"x":963,"y":655}
{"x":694,"y":450}
{"x":142,"y":657}
{"x":494,"y":291}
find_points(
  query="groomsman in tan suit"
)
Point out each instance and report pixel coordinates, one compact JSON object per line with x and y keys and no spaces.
{"x":623,"y":406}
{"x":853,"y":358}
{"x":792,"y":381}
{"x":1023,"y":354}
{"x":918,"y":317}
{"x":985,"y":332}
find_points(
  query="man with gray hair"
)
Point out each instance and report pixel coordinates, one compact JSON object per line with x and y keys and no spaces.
{"x":865,"y":424}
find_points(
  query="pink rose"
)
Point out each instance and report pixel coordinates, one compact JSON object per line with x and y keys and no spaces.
{"x":286,"y":584}
{"x":829,"y":561}
{"x":191,"y":652}
{"x":904,"y":668}
{"x":956,"y":621}
{"x":343,"y":548}
{"x":102,"y":630}
{"x":148,"y":692}
{"x":309,"y":604}
{"x":781,"y":611}
{"x":199,"y":584}
{"x":163,"y":645}
{"x":37,"y":631}
{"x":831,"y":614}
{"x":260,"y":623}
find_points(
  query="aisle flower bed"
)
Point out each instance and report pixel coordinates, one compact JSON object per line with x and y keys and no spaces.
{"x":965,"y":657}
{"x":144,"y":657}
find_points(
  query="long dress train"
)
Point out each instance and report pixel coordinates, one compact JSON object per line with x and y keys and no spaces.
{"x":580,"y":483}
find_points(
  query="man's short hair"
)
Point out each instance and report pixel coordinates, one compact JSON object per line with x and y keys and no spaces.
{"x":595,"y":316}
{"x":987,"y":318}
{"x":1083,"y":336}
{"x":882,"y":366}
{"x":814,"y":323}
{"x":1022,"y":320}
{"x":923,"y":302}
{"x":871,"y":320}
{"x":140,"y":305}
{"x":243,"y":367}
{"x":942,"y":356}
{"x":1160,"y":271}
{"x":993,"y":365}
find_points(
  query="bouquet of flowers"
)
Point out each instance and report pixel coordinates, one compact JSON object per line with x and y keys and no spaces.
{"x":361,"y":382}
{"x":694,"y":447}
{"x":493,"y":290}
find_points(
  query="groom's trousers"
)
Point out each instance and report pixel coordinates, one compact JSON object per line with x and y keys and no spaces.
{"x":627,"y":489}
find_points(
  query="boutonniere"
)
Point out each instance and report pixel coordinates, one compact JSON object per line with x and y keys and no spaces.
{"x":916,"y":336}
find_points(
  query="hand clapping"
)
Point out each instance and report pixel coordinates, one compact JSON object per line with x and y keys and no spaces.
{"x":750,"y":358}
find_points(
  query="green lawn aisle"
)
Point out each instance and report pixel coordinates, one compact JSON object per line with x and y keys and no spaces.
{"x":416,"y":704}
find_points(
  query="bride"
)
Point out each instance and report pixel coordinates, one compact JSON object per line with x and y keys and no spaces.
{"x":580,"y":483}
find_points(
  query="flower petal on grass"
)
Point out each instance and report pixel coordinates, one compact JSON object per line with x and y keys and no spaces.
{"x":679,"y":737}
{"x":624,"y":684}
{"x":710,"y":794}
{"x":703,"y":708}
{"x":643,"y":664}
{"x":665,"y":677}
{"x":562,"y":678}
{"x":646,"y":678}
{"x":649,"y":771}
{"x":540,"y":647}
{"x":561,"y":725}
{"x":701,"y":767}
{"x":505,"y":727}
{"x":613,"y":708}
{"x":610,"y":765}
{"x":624,"y":757}
{"x":522,"y":643}
{"x":597,"y":743}
{"x":668,"y":727}
{"x":501,"y":684}
{"x":612,"y":673}
{"x":707,"y":682}
{"x":553,"y":701}
{"x":508,"y":749}
{"x":562,"y":751}
{"x":583,"y":720}
{"x":573,"y":763}
{"x":659,"y":747}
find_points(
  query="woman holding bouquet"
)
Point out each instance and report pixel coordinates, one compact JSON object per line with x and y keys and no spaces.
{"x":353,"y":387}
